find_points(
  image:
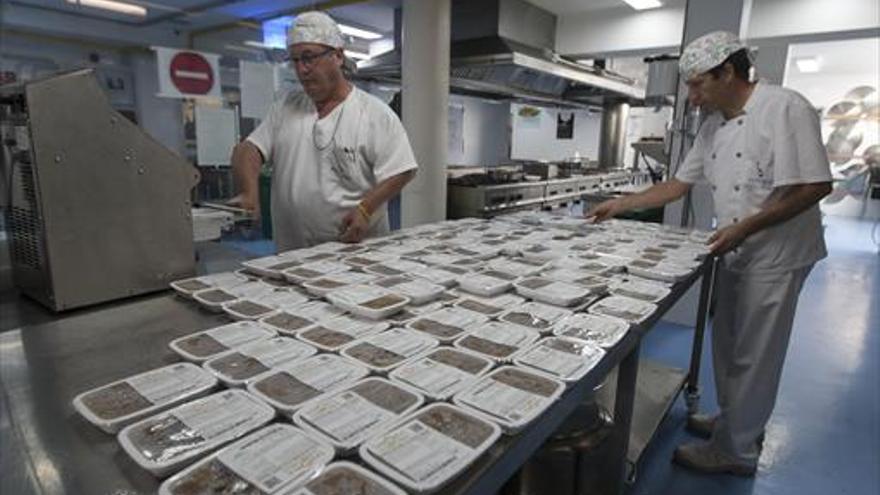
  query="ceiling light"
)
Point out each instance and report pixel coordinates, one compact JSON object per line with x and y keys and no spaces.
{"x":808,"y":65}
{"x":356,"y":55}
{"x":359,"y":33}
{"x":119,"y":7}
{"x":644,"y":4}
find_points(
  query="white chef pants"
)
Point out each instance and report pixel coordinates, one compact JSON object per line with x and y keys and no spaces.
{"x":754,"y":313}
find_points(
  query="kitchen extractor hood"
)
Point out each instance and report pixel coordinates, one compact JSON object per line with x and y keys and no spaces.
{"x":503,"y":49}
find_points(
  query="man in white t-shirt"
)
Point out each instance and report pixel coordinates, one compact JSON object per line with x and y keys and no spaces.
{"x":338,"y":153}
{"x":760,"y":150}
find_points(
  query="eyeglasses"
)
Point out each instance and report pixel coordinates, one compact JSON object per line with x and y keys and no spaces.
{"x":308,"y":59}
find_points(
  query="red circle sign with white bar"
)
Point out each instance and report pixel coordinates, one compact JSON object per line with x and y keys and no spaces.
{"x":191,"y":73}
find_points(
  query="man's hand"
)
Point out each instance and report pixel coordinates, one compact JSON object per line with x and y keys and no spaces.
{"x":605,"y":210}
{"x":245,"y":202}
{"x":727,"y":238}
{"x":354,"y":226}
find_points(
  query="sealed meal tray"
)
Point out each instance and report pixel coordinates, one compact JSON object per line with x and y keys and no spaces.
{"x":270,"y":266}
{"x":431,"y":447}
{"x":112,"y":406}
{"x":517,"y":266}
{"x":440,"y":275}
{"x":314,"y":270}
{"x":384,"y":351}
{"x":535,"y":315}
{"x":563,"y":358}
{"x":630,"y":310}
{"x":394,"y":267}
{"x":170,"y":440}
{"x":347,"y":478}
{"x":411,"y":312}
{"x":349,"y":416}
{"x":498,"y":341}
{"x":510,"y":396}
{"x":418,"y":290}
{"x":264,"y":305}
{"x":440,"y":258}
{"x":447,"y":324}
{"x":286,"y":322}
{"x":238,"y":366}
{"x":368,"y":301}
{"x":367,"y":258}
{"x":596,"y":283}
{"x":551,"y":291}
{"x":643,"y":291}
{"x":213,"y":299}
{"x":603,"y":331}
{"x":488,"y":306}
{"x":477,"y":250}
{"x":331,"y":335}
{"x":290,"y":386}
{"x":321,"y":286}
{"x":664,"y":272}
{"x":201,"y":346}
{"x":189,"y":286}
{"x":442,"y":373}
{"x":487,"y":283}
{"x":272,"y":460}
{"x":317,"y":311}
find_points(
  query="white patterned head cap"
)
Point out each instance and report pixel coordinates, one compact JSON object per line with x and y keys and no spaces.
{"x":707,"y":52}
{"x":315,"y":27}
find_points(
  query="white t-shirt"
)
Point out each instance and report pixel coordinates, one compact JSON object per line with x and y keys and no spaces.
{"x":323,"y":168}
{"x":776,"y":142}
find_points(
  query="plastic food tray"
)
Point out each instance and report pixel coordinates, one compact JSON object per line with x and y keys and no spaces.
{"x":368,"y":301}
{"x":290,"y":386}
{"x":189,"y":286}
{"x":447,"y":324}
{"x":241,"y":365}
{"x":536,"y":316}
{"x":321,"y":286}
{"x":213,"y":299}
{"x":440,"y":275}
{"x":519,"y":266}
{"x":603,"y":331}
{"x":201,"y":346}
{"x":596,"y":283}
{"x":631,"y":310}
{"x":286,"y":322}
{"x":340,"y":477}
{"x":487,"y":283}
{"x":665,"y":272}
{"x":271,"y":460}
{"x":430,"y":447}
{"x":314,"y":270}
{"x":317,"y":311}
{"x":443,"y":372}
{"x":385,"y":351}
{"x":270,"y":266}
{"x":419,"y":291}
{"x":347,"y":417}
{"x":331,"y":335}
{"x":119,"y":403}
{"x":254,"y":309}
{"x":511,"y":396}
{"x":395,"y":267}
{"x":565,"y":359}
{"x":365,"y":259}
{"x":488,"y":306}
{"x":170,"y":440}
{"x":498,"y":341}
{"x":643,"y":291}
{"x":551,"y":291}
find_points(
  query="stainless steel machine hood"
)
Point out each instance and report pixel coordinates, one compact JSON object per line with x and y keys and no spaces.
{"x":503,"y":49}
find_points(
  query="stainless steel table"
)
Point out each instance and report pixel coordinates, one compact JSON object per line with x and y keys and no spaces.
{"x":48,"y":449}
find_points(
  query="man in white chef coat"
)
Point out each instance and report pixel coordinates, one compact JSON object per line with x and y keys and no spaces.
{"x":338,"y":153}
{"x":760,"y":150}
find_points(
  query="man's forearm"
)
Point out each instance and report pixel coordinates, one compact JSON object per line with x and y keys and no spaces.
{"x":246,"y":164}
{"x":784,"y":203}
{"x":657,"y":195}
{"x":386,"y":190}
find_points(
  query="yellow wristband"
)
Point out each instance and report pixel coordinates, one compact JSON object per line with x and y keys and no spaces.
{"x":363,"y":211}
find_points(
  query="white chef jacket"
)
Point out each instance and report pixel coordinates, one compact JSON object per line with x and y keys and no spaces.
{"x":776,"y":142}
{"x":322,"y":168}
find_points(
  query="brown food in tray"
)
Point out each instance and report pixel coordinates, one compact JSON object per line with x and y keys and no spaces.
{"x":213,"y":478}
{"x":373,"y":355}
{"x":488,"y":347}
{"x":217,"y":296}
{"x":284,"y":265}
{"x":115,"y":401}
{"x":163,"y":438}
{"x":249,"y":308}
{"x":526,"y":381}
{"x":535,"y":283}
{"x":193,"y":285}
{"x":237,"y":366}
{"x":286,"y":389}
{"x":449,"y":357}
{"x":453,"y":423}
{"x":385,"y":395}
{"x":383,"y":302}
{"x":436,"y":328}
{"x":526,"y":320}
{"x":201,"y":345}
{"x":479,"y":307}
{"x":326,"y":337}
{"x":345,"y":481}
{"x":288,"y":321}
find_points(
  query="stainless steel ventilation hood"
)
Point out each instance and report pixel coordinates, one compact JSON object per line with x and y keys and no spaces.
{"x":503,"y":49}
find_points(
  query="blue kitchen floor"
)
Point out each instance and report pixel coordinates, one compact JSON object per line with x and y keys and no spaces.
{"x":824,"y":436}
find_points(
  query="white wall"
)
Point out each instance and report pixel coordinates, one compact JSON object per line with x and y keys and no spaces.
{"x":620,"y":30}
{"x":486,"y":133}
{"x":534,"y":138}
{"x":775,"y":18}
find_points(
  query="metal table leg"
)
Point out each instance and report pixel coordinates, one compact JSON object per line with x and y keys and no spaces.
{"x":692,"y":392}
{"x":617,"y":466}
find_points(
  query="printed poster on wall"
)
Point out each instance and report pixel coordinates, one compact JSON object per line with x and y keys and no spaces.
{"x":565,"y":125}
{"x":187,"y":73}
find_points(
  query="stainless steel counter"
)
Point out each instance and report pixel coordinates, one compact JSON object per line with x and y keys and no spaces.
{"x":49,"y":449}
